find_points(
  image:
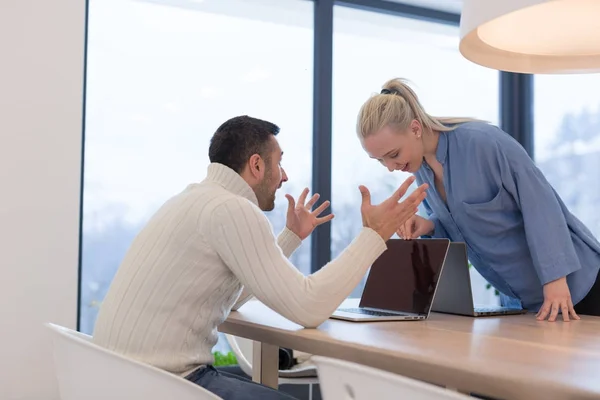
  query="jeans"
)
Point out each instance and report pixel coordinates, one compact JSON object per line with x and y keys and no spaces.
{"x":232,"y":387}
{"x":590,"y":305}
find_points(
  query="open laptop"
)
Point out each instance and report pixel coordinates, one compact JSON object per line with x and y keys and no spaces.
{"x":402,"y":282}
{"x":454,"y":294}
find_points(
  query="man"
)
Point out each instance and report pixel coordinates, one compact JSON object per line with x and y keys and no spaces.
{"x":187,"y":268}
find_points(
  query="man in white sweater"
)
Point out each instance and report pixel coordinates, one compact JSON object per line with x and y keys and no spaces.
{"x":210,"y":247}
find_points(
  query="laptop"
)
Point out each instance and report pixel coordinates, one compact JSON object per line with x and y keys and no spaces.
{"x":454,"y":293}
{"x":401,"y":284}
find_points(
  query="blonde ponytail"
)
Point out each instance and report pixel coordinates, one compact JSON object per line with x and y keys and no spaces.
{"x":397,"y":105}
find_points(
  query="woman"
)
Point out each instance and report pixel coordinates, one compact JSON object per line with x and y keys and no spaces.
{"x":487,"y":192}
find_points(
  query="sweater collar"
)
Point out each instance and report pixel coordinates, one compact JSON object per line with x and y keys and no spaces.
{"x":230,"y":181}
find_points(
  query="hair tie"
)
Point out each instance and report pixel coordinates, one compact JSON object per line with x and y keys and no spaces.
{"x":393,"y":92}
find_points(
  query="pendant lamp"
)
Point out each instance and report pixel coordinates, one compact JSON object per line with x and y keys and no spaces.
{"x":532,"y":36}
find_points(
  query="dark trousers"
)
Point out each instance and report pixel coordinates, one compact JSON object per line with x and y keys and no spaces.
{"x":590,"y":305}
{"x":233,"y":387}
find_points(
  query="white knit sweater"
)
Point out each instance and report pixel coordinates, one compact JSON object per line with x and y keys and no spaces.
{"x":186,"y":269}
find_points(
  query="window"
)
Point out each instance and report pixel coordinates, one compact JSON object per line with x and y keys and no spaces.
{"x":369,"y":49}
{"x":162,"y":76}
{"x":567,"y":140}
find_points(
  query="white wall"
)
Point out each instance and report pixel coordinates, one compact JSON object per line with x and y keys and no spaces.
{"x":41,"y":93}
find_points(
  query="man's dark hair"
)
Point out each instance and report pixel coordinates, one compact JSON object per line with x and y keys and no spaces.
{"x":238,"y":138}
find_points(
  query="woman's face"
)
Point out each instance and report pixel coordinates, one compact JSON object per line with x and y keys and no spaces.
{"x":397,"y":151}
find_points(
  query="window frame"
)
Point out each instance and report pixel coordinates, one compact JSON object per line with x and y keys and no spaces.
{"x":516,"y":106}
{"x":515,"y":91}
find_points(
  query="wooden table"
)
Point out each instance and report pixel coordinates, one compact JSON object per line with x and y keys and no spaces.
{"x":508,"y":357}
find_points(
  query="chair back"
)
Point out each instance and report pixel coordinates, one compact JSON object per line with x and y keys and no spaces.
{"x":342,"y":380}
{"x":243,"y":350}
{"x":85,"y":370}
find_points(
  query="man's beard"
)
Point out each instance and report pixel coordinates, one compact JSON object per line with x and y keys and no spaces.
{"x":264,"y":193}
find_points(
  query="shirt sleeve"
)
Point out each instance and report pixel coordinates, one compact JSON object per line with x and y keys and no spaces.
{"x":439,"y":231}
{"x":548,"y":235}
{"x":243,"y":237}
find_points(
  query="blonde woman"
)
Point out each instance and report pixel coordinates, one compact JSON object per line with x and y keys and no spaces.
{"x":486,"y":191}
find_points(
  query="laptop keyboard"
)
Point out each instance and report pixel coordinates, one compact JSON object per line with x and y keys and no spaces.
{"x":487,"y":310}
{"x":370,"y":312}
{"x":496,"y":310}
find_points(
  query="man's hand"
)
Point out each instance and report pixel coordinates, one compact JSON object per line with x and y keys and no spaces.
{"x":557,"y":297}
{"x":415,"y":227}
{"x":385,"y":218}
{"x":300,"y":219}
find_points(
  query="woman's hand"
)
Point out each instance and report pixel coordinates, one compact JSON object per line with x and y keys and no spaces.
{"x":415,"y":227}
{"x":557,"y":297}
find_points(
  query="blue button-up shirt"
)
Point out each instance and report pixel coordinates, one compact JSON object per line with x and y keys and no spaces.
{"x":518,"y":232}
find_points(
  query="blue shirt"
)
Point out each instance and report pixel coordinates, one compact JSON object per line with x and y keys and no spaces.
{"x":518,"y":232}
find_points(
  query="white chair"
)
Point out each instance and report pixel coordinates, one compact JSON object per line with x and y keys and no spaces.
{"x":298,"y":375}
{"x":342,"y":380}
{"x":87,"y":371}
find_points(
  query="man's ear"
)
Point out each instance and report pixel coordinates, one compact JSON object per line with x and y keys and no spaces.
{"x":257,"y":166}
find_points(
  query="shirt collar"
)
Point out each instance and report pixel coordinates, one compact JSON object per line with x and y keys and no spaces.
{"x":230,"y":181}
{"x":442,"y":148}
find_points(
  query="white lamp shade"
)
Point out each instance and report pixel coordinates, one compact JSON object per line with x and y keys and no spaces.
{"x":532,"y":36}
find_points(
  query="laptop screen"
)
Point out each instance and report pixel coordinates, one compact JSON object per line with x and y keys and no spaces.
{"x":405,"y":276}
